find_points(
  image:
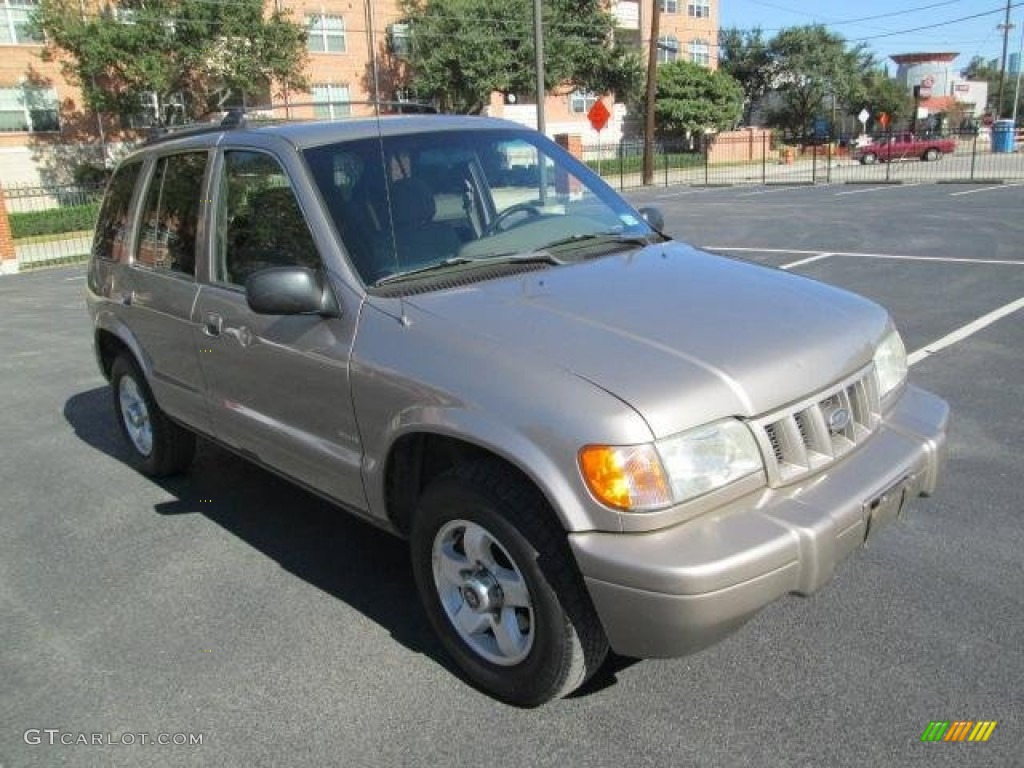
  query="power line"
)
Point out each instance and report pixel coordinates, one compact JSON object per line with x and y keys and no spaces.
{"x":936,"y":25}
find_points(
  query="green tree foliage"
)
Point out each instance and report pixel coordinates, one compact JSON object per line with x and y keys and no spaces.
{"x":810,"y":68}
{"x":885,"y":94}
{"x":694,"y":99}
{"x":745,"y":56}
{"x":462,"y":50}
{"x":979,"y":69}
{"x":197,"y":51}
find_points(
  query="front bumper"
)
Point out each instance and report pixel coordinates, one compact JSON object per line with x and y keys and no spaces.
{"x":676,"y":590}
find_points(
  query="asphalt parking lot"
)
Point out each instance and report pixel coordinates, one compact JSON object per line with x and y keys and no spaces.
{"x":231,"y":605}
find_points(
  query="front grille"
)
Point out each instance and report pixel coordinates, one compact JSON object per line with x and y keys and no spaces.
{"x":807,"y":437}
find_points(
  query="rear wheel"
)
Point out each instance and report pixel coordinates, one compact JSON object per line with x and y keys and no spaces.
{"x":158,"y":445}
{"x":500,"y":586}
{"x":931,"y":154}
{"x":869,"y":158}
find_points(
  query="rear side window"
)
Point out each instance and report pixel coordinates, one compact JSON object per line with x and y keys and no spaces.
{"x":112,"y":227}
{"x":170,"y":216}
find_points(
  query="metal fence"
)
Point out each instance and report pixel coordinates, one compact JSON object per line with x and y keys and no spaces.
{"x":51,"y":224}
{"x":766,"y":160}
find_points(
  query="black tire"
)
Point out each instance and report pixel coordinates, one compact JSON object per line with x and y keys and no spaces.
{"x":930,"y":154}
{"x":869,"y":159}
{"x":562,"y":641}
{"x":169,"y":448}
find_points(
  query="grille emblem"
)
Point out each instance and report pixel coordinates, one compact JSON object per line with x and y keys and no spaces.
{"x":838,"y":420}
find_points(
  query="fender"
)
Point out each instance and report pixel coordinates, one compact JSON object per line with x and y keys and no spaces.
{"x":557,"y":477}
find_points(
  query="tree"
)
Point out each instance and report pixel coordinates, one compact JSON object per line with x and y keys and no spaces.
{"x":195,"y":53}
{"x":978,"y":69}
{"x":885,"y":94}
{"x":815,"y":73}
{"x":462,"y":50}
{"x":695,"y":99}
{"x":745,"y":56}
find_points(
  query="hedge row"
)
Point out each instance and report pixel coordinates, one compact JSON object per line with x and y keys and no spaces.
{"x":54,"y":221}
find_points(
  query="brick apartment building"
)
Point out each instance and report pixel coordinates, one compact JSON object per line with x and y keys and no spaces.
{"x":45,"y":131}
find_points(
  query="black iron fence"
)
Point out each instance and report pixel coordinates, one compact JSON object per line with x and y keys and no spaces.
{"x":750,"y":157}
{"x":51,"y":224}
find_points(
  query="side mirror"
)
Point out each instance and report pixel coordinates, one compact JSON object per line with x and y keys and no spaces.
{"x":653,"y":217}
{"x":289,"y":291}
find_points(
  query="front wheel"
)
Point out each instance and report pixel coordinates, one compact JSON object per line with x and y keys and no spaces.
{"x":159,"y":446}
{"x":500,"y":586}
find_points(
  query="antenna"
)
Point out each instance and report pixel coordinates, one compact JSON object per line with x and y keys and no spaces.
{"x":403,"y":318}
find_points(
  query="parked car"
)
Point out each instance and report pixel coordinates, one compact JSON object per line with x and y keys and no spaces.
{"x":593,"y":436}
{"x":904,"y":146}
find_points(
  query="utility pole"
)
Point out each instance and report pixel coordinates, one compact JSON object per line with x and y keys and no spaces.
{"x":652,"y":90}
{"x":1006,"y":26}
{"x":538,"y":46}
{"x":370,"y":42}
{"x":1016,"y":90}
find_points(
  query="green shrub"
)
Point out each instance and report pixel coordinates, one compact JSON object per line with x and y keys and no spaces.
{"x":54,"y":221}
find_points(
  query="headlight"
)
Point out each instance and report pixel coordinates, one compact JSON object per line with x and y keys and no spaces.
{"x":890,"y":363}
{"x":642,"y":478}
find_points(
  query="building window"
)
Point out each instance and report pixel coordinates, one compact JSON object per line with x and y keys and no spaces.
{"x":668,"y":48}
{"x":669,"y":6}
{"x":700,"y":52}
{"x":699,"y":10}
{"x":29,"y":109}
{"x":331,"y":101}
{"x":151,"y":110}
{"x":326,"y":34}
{"x":580,"y":102}
{"x":15,"y":17}
{"x":400,"y":40}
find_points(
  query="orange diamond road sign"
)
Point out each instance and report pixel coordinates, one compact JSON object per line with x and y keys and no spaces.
{"x":598,"y":115}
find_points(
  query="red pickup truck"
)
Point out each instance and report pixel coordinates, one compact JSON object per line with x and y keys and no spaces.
{"x":903,"y":146}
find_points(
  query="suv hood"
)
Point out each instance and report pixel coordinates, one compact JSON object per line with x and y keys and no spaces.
{"x":682,"y":336}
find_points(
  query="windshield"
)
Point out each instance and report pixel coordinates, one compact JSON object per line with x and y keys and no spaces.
{"x":417,"y":204}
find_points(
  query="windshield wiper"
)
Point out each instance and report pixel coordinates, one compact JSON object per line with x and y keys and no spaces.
{"x":458,"y":261}
{"x":602,"y":238}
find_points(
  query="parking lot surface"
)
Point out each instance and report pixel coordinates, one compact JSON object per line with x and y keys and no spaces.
{"x":228,"y":604}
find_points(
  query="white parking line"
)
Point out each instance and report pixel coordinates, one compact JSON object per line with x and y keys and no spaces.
{"x":76,"y":277}
{"x":780,"y":188}
{"x":877,"y":189}
{"x":677,"y":194}
{"x":891,"y":256}
{"x":962,"y":333}
{"x":983,"y":189}
{"x":808,"y":260}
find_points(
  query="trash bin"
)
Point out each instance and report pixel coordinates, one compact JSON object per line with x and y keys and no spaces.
{"x":1002,"y":136}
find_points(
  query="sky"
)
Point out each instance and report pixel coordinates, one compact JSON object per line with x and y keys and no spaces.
{"x":899,"y":23}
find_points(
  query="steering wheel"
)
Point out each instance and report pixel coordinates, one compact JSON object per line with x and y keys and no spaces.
{"x":497,"y":225}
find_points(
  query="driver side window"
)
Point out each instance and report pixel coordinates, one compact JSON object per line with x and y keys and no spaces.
{"x":261,"y":224}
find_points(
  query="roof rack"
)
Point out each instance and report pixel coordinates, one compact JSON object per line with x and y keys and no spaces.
{"x":242,"y":117}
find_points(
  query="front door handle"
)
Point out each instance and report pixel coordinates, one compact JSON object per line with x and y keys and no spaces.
{"x":212,"y":324}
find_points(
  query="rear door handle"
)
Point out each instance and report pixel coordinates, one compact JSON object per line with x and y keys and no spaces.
{"x":213,"y":324}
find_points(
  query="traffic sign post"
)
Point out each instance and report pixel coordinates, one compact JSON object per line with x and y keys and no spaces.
{"x":598,"y":116}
